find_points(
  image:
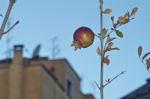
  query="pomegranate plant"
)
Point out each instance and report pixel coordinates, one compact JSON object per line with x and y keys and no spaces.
{"x":83,"y":37}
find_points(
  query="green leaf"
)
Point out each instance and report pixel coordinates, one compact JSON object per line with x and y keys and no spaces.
{"x":104,"y":32}
{"x":139,"y":50}
{"x":119,"y":33}
{"x":116,"y":48}
{"x":111,"y":39}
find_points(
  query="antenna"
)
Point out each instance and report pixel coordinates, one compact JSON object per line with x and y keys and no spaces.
{"x":55,"y":47}
{"x":36,"y":51}
{"x":8,"y":40}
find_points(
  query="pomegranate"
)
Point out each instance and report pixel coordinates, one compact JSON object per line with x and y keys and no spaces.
{"x":83,"y":37}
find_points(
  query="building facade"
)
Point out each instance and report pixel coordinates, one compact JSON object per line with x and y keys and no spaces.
{"x":38,"y":78}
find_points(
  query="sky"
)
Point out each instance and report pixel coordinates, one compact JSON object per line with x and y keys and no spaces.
{"x":42,"y":20}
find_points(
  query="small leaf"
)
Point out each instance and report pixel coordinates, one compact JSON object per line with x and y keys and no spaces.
{"x":104,"y":32}
{"x":111,"y":39}
{"x":126,"y":15}
{"x":106,"y":60}
{"x":123,"y":19}
{"x":140,"y":51}
{"x":108,"y":38}
{"x":112,"y":18}
{"x":145,"y":55}
{"x":109,"y":45}
{"x":107,"y":11}
{"x":116,"y":48}
{"x":119,"y":33}
{"x":99,"y":51}
{"x":148,"y":63}
{"x":134,"y":10}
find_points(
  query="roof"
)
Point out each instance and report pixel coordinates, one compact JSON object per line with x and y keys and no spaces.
{"x":139,"y":92}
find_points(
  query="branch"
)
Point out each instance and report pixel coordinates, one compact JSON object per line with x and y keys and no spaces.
{"x":97,"y":85}
{"x":110,"y":80}
{"x":12,"y":1}
{"x":2,"y":28}
{"x":17,"y":22}
{"x":119,"y":25}
{"x":97,"y":36}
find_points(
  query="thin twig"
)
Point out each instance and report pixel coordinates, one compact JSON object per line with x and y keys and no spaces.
{"x":97,"y":36}
{"x":97,"y":85}
{"x":113,"y":78}
{"x":17,"y":22}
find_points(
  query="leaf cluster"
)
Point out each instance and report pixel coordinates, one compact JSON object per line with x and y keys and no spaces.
{"x":105,"y":34}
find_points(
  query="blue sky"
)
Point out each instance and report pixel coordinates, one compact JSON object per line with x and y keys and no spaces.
{"x":41,"y":20}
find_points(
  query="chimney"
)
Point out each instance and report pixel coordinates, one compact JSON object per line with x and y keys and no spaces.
{"x":16,"y":74}
{"x":18,"y":53}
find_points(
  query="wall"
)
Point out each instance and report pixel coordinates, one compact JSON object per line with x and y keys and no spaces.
{"x":3,"y":83}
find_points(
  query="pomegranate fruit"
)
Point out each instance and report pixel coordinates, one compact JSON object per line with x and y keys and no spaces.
{"x":83,"y":37}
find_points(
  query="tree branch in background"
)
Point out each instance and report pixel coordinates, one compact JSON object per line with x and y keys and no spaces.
{"x":110,"y":80}
{"x":2,"y":28}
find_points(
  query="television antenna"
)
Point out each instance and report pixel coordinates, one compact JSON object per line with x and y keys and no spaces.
{"x":8,"y":40}
{"x":36,"y":51}
{"x":55,"y":47}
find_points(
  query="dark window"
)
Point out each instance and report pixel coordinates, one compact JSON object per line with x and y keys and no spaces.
{"x":69,"y":88}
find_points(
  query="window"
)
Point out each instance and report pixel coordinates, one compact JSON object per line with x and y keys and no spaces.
{"x":69,"y":88}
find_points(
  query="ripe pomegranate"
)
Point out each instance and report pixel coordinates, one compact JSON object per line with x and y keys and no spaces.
{"x":83,"y":37}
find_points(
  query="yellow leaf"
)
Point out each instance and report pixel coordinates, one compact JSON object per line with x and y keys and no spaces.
{"x":140,"y":51}
{"x":123,"y":20}
{"x":107,"y":11}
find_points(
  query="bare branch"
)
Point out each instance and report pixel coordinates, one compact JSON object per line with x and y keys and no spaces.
{"x":97,"y":36}
{"x":17,"y":22}
{"x":6,"y":18}
{"x":12,"y":1}
{"x":110,"y":80}
{"x":97,"y":85}
{"x":2,"y":28}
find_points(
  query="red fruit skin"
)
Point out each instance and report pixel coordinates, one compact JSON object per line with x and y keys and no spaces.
{"x":84,"y":37}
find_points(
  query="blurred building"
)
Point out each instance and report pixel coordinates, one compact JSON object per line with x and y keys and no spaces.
{"x":142,"y":92}
{"x":38,"y":78}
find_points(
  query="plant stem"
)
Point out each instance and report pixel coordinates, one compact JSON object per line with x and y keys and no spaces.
{"x":102,"y":51}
